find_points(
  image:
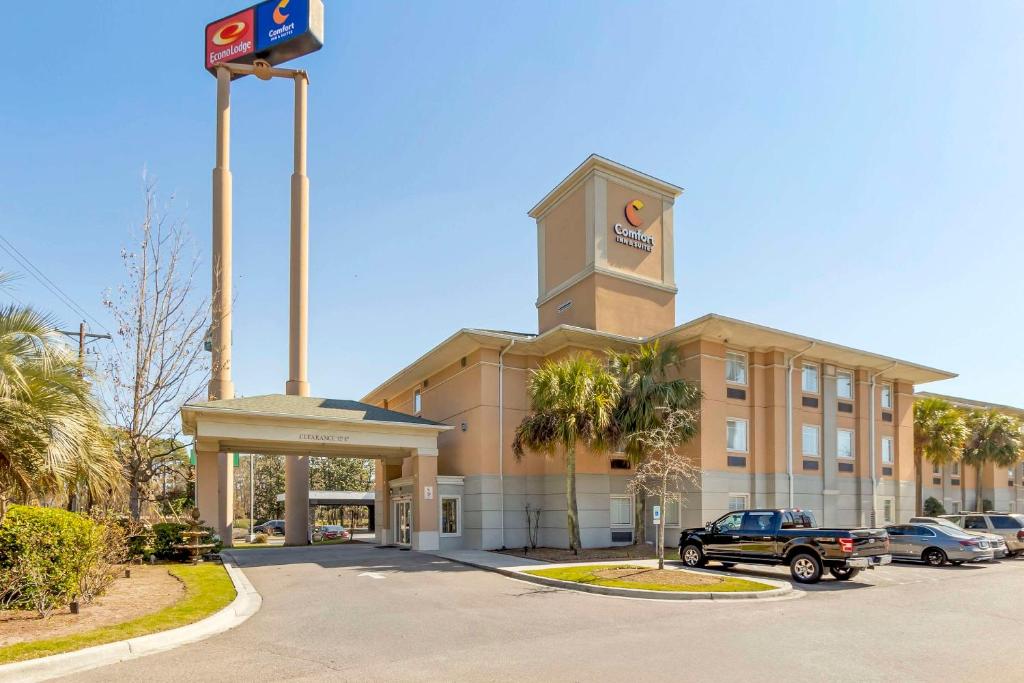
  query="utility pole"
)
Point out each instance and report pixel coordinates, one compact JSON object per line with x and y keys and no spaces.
{"x":82,"y":336}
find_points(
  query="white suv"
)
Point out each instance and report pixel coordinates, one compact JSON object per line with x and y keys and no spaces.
{"x":1009,"y":526}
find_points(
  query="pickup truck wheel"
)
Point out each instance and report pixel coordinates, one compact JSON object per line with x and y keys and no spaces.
{"x":805,"y":568}
{"x":692,"y":555}
{"x":844,"y":573}
{"x":934,"y":556}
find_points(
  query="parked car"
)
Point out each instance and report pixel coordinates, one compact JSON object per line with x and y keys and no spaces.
{"x":995,"y":541}
{"x":272,"y":527}
{"x":334,"y":532}
{"x":787,"y":537}
{"x":936,"y":544}
{"x":1009,"y":526}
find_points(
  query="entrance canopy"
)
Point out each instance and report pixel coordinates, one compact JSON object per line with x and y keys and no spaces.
{"x":299,"y":427}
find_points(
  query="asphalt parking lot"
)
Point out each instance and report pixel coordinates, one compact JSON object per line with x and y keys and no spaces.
{"x":354,"y":612}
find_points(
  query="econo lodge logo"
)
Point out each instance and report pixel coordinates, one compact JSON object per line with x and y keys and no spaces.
{"x":230,"y":38}
{"x":632,"y":215}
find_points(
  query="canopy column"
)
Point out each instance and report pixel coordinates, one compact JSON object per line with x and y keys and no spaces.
{"x":214,"y":477}
{"x":296,"y":500}
{"x":425,"y":534}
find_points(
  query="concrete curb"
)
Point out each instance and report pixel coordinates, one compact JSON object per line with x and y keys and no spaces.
{"x":246,"y":603}
{"x":782,"y":589}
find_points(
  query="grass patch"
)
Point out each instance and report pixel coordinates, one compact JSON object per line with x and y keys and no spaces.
{"x":208,"y":588}
{"x":651,"y":579}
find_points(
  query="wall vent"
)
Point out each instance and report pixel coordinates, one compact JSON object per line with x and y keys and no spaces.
{"x":846,"y":467}
{"x":886,"y":471}
{"x":622,"y":536}
{"x":809,"y":402}
{"x":845,"y":407}
{"x":620,"y":464}
{"x":810,"y":464}
{"x":565,"y":306}
{"x":886,"y":417}
{"x":733,"y":392}
{"x":736,"y":461}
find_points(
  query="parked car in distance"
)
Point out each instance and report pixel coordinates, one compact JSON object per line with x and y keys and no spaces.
{"x":936,"y":544}
{"x":995,"y":541}
{"x":787,"y":537}
{"x":272,"y":527}
{"x":1009,"y":526}
{"x":333,"y":532}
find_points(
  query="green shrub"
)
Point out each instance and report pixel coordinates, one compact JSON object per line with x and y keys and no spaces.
{"x":933,"y":508}
{"x":45,"y":557}
{"x":240,"y":523}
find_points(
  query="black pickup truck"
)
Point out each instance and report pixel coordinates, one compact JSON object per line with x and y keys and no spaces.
{"x":788,"y":537}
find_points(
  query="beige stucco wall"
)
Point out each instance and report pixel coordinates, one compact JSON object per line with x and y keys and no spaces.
{"x":622,"y":257}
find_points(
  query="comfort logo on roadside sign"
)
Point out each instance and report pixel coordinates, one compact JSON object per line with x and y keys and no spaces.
{"x":280,"y":20}
{"x":230,"y":38}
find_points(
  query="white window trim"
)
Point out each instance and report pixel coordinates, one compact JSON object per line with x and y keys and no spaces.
{"x":892,"y":450}
{"x":853,"y":444}
{"x":881,"y":396}
{"x":817,"y":370}
{"x":632,"y":513}
{"x":746,"y":367}
{"x":458,"y":515}
{"x":853,"y":385}
{"x":746,"y":434}
{"x":818,"y":441}
{"x":744,"y":496}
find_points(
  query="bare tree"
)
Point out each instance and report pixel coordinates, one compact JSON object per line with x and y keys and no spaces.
{"x":666,"y":471}
{"x":156,"y":362}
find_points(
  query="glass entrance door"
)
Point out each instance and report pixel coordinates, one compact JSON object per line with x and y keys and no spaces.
{"x":403,"y":522}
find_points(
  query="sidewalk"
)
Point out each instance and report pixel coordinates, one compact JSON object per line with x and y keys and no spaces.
{"x":485,"y":559}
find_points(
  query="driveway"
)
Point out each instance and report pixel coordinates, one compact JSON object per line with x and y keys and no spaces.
{"x":355,"y":612}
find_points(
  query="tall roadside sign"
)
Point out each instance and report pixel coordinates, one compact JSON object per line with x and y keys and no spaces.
{"x":254,"y":41}
{"x":275,"y":31}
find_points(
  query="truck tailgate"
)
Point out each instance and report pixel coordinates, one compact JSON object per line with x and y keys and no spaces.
{"x":869,"y":542}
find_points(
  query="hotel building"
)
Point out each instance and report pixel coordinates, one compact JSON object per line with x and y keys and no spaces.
{"x":787,"y":420}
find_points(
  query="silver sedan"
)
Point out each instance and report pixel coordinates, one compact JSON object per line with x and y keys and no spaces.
{"x":936,"y":544}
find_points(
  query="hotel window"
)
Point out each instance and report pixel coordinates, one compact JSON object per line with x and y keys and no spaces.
{"x":739,"y":501}
{"x":809,"y":378}
{"x":844,"y":443}
{"x":811,"y":440}
{"x":955,"y":469}
{"x":736,"y":368}
{"x":670,"y":515}
{"x":1009,"y":476}
{"x":887,"y":396}
{"x":736,"y":435}
{"x":936,"y":470}
{"x":451,"y":525}
{"x":844,"y":385}
{"x":887,"y":454}
{"x":621,"y":509}
{"x":417,"y":402}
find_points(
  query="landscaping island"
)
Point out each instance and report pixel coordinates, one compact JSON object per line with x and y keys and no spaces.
{"x":207,"y":588}
{"x":649,"y":578}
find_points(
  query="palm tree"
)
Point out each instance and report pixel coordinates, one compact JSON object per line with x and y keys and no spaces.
{"x":51,"y":434}
{"x":993,"y":437}
{"x":572,"y":402}
{"x":940,"y":432}
{"x":646,"y":396}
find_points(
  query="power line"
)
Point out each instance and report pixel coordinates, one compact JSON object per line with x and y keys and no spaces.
{"x":46,"y":282}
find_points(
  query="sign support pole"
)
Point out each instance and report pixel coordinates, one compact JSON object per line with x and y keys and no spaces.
{"x":220,"y":372}
{"x":296,"y":469}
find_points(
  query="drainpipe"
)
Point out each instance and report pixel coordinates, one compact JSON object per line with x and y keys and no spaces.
{"x":789,"y":420}
{"x":871,"y":448}
{"x":501,"y":436}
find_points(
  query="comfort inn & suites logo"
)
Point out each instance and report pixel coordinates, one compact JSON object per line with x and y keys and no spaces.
{"x":632,"y":237}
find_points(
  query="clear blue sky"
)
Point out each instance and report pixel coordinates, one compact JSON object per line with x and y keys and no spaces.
{"x":801,"y":132}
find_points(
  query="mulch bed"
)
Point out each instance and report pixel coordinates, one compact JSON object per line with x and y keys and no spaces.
{"x":150,"y":589}
{"x":669,"y":577}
